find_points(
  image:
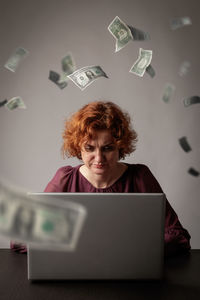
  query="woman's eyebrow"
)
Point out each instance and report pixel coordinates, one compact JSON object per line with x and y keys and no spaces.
{"x":108,"y":144}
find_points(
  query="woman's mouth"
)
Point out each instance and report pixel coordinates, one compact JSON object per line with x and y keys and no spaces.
{"x":99,"y":166}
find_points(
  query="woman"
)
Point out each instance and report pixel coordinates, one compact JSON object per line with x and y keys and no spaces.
{"x":100,"y":134}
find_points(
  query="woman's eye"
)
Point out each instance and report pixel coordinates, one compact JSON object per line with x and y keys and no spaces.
{"x":108,"y":148}
{"x":88,"y":148}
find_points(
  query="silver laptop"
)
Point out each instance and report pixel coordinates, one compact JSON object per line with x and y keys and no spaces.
{"x":122,"y":238}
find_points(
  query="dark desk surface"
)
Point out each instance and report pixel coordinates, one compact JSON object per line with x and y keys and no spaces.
{"x":182,"y":281}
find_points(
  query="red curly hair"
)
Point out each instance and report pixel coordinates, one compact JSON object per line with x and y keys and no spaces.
{"x":94,"y":116}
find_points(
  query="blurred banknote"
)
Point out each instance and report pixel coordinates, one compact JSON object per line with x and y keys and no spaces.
{"x":51,"y":224}
{"x":191,"y":100}
{"x":15,"y":59}
{"x":144,"y":60}
{"x":15,"y":102}
{"x":60,"y":81}
{"x":2,"y":103}
{"x":184,"y":144}
{"x":150,"y":70}
{"x":193,"y":172}
{"x":63,"y":81}
{"x":184,"y":68}
{"x":121,"y":33}
{"x":176,"y":23}
{"x":86,"y":75}
{"x":168,"y":92}
{"x":54,"y":76}
{"x":139,"y":35}
{"x":68,"y":64}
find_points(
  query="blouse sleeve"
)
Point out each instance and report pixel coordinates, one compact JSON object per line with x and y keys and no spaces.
{"x":177,"y":238}
{"x":18,"y":247}
{"x":58,"y":182}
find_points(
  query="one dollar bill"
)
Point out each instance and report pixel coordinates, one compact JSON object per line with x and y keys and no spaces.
{"x":168,"y":93}
{"x":184,"y":144}
{"x":121,"y":33}
{"x":192,"y":171}
{"x":68,"y":64}
{"x":144,"y":60}
{"x":86,"y":75}
{"x":60,"y":81}
{"x":184,"y":68}
{"x":48,"y":224}
{"x":15,"y":59}
{"x":15,"y":102}
{"x":176,"y":23}
{"x":191,"y":100}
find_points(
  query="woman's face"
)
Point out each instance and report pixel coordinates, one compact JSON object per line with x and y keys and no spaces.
{"x":100,"y":155}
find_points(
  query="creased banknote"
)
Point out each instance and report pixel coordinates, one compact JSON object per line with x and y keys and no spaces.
{"x":52,"y":224}
{"x":15,"y":102}
{"x":2,"y":103}
{"x":191,"y":100}
{"x":144,"y":60}
{"x":168,"y":93}
{"x":86,"y":75}
{"x":150,"y":70}
{"x":139,"y":35}
{"x":15,"y":59}
{"x":60,"y":81}
{"x":184,"y":68}
{"x":193,"y":172}
{"x":179,"y":22}
{"x":184,"y":144}
{"x":68,"y":64}
{"x":121,"y":33}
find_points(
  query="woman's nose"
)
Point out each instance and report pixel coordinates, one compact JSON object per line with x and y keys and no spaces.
{"x":99,"y":155}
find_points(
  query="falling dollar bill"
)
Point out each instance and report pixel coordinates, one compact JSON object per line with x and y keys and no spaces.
{"x":51,"y":224}
{"x":15,"y":102}
{"x":169,"y":90}
{"x":191,"y":100}
{"x":60,"y":81}
{"x":121,"y":33}
{"x":68,"y":64}
{"x":63,"y":81}
{"x":176,"y":23}
{"x":2,"y":103}
{"x":86,"y":75}
{"x":150,"y":70}
{"x":144,"y":60}
{"x":193,"y":172}
{"x":54,"y":76}
{"x":184,"y":68}
{"x":15,"y":59}
{"x":139,"y":35}
{"x":184,"y":144}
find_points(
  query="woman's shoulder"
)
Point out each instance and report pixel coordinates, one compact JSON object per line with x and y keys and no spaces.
{"x":143,"y":178}
{"x":138,"y":168}
{"x":67,"y":170}
{"x":62,"y":179}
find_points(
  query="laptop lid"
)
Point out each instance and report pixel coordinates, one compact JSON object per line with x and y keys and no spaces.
{"x":122,"y":238}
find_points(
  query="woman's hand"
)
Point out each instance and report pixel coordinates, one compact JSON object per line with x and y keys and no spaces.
{"x":18,"y":247}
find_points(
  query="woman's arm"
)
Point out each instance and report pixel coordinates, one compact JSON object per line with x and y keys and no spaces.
{"x":177,"y":238}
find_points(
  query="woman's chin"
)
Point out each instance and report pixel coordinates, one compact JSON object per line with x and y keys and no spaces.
{"x":98,"y":169}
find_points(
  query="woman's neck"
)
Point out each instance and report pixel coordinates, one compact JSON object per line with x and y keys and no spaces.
{"x":103,"y":181}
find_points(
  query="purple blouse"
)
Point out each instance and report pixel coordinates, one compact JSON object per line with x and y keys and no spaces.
{"x":136,"y":179}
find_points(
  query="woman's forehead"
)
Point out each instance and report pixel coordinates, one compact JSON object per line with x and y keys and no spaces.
{"x":100,"y":135}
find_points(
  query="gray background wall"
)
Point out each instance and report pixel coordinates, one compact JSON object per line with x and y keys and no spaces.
{"x":30,"y":140}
